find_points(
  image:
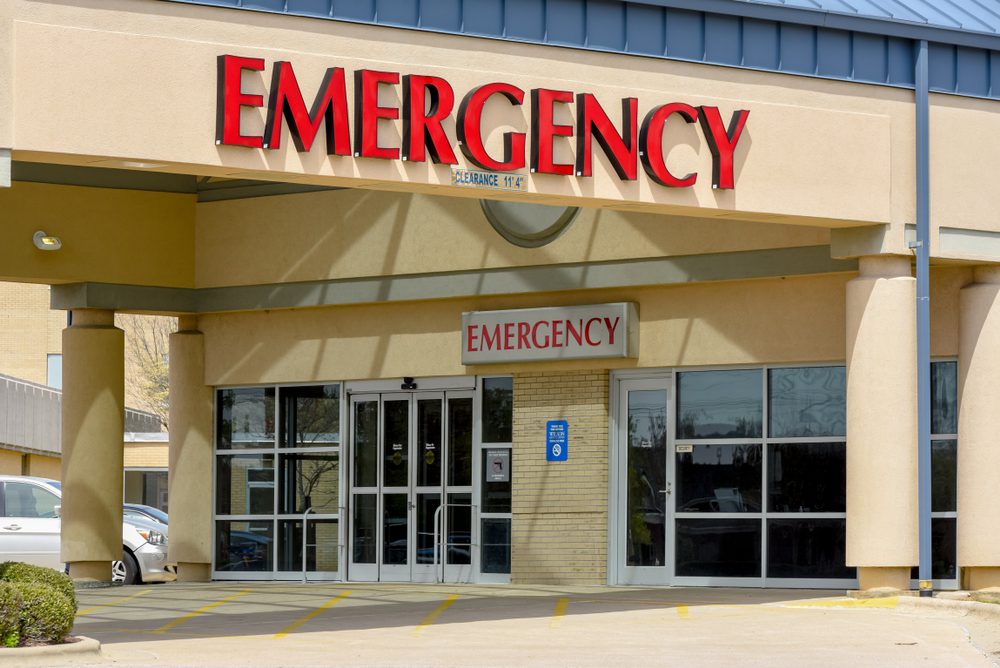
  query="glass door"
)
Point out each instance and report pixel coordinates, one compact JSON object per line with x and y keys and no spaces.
{"x":644,"y":481}
{"x":396,"y":499}
{"x":428,"y":463}
{"x":410,"y":451}
{"x":364,"y":538}
{"x":458,"y":519}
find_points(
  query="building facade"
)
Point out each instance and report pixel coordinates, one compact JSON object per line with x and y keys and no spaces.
{"x":578,"y":292}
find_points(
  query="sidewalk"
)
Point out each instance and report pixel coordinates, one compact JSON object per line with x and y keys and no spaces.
{"x":270,"y":624}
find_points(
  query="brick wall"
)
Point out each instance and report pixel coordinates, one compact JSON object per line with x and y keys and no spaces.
{"x":560,"y":509}
{"x":11,"y":462}
{"x":146,"y":455}
{"x":45,"y":467}
{"x":28,"y":331}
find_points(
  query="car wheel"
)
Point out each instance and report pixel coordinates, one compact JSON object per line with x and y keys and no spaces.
{"x":126,"y":571}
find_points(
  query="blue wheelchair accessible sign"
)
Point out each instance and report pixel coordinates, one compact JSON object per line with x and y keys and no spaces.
{"x":556,"y":440}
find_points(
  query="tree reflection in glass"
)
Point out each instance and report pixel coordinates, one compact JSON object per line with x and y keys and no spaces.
{"x":720,"y":404}
{"x":647,"y":452}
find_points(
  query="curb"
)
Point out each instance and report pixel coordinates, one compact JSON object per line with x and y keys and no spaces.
{"x":85,"y":650}
{"x":989,"y":611}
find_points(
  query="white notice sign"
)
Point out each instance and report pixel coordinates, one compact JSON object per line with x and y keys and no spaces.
{"x":558,"y":333}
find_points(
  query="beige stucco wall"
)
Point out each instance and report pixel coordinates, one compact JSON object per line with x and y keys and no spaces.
{"x":108,"y":235}
{"x":153,"y":99}
{"x":560,"y":509}
{"x":815,"y":152}
{"x":6,"y":80}
{"x":347,"y":233}
{"x":773,"y":320}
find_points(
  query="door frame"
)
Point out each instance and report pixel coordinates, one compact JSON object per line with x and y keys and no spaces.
{"x":619,"y":573}
{"x":380,"y":392}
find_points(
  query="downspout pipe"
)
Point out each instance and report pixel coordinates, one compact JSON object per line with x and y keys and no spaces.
{"x":922,"y":249}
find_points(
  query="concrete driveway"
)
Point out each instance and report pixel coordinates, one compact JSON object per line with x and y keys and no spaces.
{"x":269,"y":624}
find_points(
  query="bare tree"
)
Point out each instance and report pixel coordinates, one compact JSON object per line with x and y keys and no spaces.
{"x":147,"y":346}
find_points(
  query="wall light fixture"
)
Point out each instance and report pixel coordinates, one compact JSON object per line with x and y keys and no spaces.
{"x":46,"y":242}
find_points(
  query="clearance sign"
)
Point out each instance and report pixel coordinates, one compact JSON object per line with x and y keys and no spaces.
{"x":426,"y":101}
{"x":556,"y":333}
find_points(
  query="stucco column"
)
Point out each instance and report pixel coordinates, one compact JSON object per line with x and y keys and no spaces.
{"x":190,"y":475}
{"x":93,"y":428}
{"x":979,"y":429}
{"x":882,"y":422}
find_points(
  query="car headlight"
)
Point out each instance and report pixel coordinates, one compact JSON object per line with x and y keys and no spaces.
{"x":153,"y":537}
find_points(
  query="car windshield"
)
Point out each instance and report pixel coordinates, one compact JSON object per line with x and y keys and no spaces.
{"x":147,"y":511}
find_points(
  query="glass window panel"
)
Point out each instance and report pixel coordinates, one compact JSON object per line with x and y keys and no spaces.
{"x":459,"y":528}
{"x":365,"y":528}
{"x":496,"y":546}
{"x":311,"y":416}
{"x":943,"y":550}
{"x":154,"y":489}
{"x":496,"y":480}
{"x":245,"y":418}
{"x":366,"y":444}
{"x":807,"y":548}
{"x":132,"y":484}
{"x":944,"y":476}
{"x":807,"y":478}
{"x":807,"y":401}
{"x":395,"y":529}
{"x":944,"y":398}
{"x":720,"y":404}
{"x":244,"y":545}
{"x":647,"y":466}
{"x":718,"y":548}
{"x":322,"y":550}
{"x":460,"y":442}
{"x":244,"y":484}
{"x":395,"y":443}
{"x":498,"y":410}
{"x":309,"y":481}
{"x":429,"y":452}
{"x":26,"y":500}
{"x":427,"y":505}
{"x":719,"y":478}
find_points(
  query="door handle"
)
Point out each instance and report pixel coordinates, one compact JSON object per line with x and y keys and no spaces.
{"x":667,"y":491}
{"x":12,"y":527}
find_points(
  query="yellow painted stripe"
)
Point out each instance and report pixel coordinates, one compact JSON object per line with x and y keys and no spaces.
{"x":682,"y":611}
{"x":559,"y":612}
{"x":89,"y":610}
{"x":315,"y":613}
{"x":200,"y":611}
{"x":429,"y":619}
{"x":885,"y":602}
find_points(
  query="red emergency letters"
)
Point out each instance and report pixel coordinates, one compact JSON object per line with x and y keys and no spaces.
{"x":543,"y":334}
{"x":425,"y":103}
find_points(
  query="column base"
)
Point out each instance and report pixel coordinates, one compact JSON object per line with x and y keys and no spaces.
{"x":90,"y":571}
{"x":981,"y":577}
{"x":194,"y":572}
{"x":894,"y":577}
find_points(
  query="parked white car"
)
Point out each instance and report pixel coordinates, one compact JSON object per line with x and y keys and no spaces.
{"x":30,"y":525}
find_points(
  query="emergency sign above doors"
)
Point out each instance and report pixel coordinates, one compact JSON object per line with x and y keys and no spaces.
{"x":555,"y":333}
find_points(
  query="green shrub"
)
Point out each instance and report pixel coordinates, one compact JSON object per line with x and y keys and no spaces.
{"x":15,"y":571}
{"x":11,"y":605}
{"x":46,"y":616}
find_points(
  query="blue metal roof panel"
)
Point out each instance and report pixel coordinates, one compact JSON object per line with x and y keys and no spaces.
{"x":982,"y":16}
